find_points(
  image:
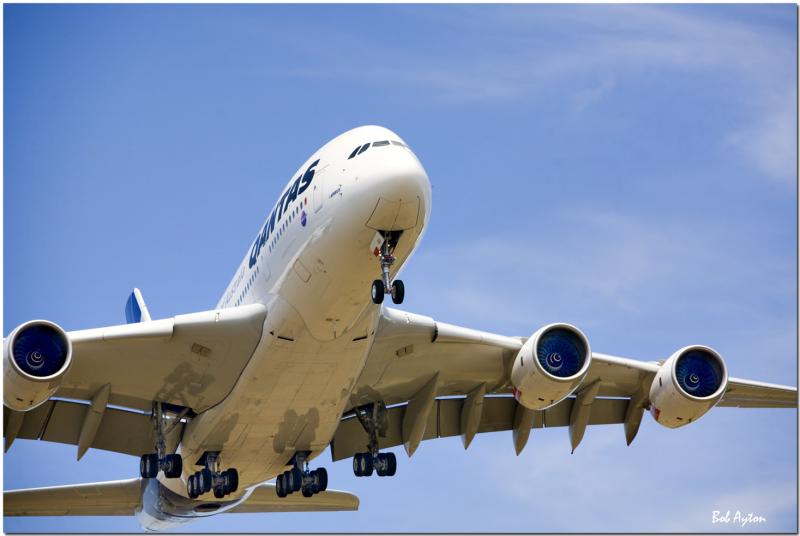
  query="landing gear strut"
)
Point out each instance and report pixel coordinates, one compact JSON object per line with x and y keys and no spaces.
{"x":172,"y":464}
{"x":299,"y":478}
{"x":210,"y":477}
{"x":385,"y":285}
{"x":374,"y":420}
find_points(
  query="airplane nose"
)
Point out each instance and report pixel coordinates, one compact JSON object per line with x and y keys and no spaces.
{"x":403,"y":190}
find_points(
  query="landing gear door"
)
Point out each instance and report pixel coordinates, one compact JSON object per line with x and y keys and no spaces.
{"x":318,"y":194}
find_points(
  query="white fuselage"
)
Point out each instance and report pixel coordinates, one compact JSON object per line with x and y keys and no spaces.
{"x":312,"y":265}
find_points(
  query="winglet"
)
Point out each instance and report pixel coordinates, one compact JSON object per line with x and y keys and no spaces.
{"x":135,"y":309}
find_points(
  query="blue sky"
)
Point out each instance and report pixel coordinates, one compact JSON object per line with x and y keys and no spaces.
{"x":629,"y":169}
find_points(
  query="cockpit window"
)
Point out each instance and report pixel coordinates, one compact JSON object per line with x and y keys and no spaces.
{"x":383,"y":143}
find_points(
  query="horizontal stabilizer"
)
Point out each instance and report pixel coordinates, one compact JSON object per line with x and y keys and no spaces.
{"x":264,"y":499}
{"x":121,"y":497}
{"x":116,"y":498}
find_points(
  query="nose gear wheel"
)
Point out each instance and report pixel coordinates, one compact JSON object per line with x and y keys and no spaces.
{"x":385,"y":285}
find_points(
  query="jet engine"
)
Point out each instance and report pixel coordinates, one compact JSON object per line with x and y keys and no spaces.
{"x":37,"y":355}
{"x":550,"y":365}
{"x":688,"y":384}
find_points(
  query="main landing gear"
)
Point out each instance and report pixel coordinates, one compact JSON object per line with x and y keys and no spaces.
{"x":297,"y":479}
{"x":208,"y":478}
{"x":383,"y":286}
{"x":171,"y":464}
{"x":374,"y":420}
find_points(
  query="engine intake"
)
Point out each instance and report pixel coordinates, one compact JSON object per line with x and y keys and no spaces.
{"x":37,"y":355}
{"x":550,"y":365}
{"x":687,"y":385}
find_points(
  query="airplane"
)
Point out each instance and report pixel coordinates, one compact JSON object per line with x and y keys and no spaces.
{"x":301,"y":354}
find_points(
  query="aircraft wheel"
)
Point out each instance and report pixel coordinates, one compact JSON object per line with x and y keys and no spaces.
{"x":321,"y":479}
{"x":205,"y":479}
{"x":382,"y":468}
{"x":231,"y":479}
{"x":296,"y":479}
{"x":307,"y":491}
{"x":365,"y":463}
{"x":391,"y":461}
{"x":219,"y":491}
{"x":378,"y":290}
{"x":148,"y":466}
{"x":190,"y":487}
{"x":398,"y":291}
{"x":280,"y":485}
{"x":174,"y":465}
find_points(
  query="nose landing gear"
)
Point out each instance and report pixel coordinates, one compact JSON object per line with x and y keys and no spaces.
{"x":373,"y":418}
{"x":385,"y":285}
{"x":307,"y":482}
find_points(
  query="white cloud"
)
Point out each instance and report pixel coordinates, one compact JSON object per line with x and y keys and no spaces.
{"x":588,"y":53}
{"x":770,"y":141}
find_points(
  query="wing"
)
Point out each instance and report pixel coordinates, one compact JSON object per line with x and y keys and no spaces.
{"x":415,"y":361}
{"x":117,"y":498}
{"x":190,"y":362}
{"x":752,"y":394}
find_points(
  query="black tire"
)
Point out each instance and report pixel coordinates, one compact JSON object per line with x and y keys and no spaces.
{"x":287,"y":482}
{"x":398,"y":292}
{"x":190,"y":487}
{"x":391,"y":460}
{"x":231,"y":480}
{"x":378,"y":290}
{"x":382,"y":467}
{"x":174,"y":465}
{"x":280,"y":486}
{"x":219,"y":492}
{"x":322,"y":478}
{"x":297,"y":479}
{"x":205,"y":479}
{"x":366,"y":464}
{"x":148,"y":466}
{"x":357,"y":464}
{"x":307,"y":491}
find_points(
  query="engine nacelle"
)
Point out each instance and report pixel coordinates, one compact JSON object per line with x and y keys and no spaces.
{"x":37,"y":355}
{"x":688,"y":384}
{"x":550,"y":366}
